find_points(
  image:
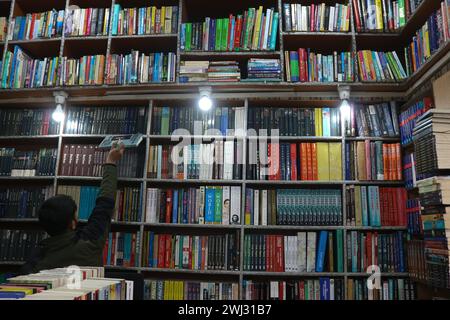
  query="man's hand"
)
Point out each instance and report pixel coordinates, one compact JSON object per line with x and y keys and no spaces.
{"x":115,"y":153}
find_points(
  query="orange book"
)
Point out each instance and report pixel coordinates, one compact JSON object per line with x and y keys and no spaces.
{"x":398,"y":161}
{"x":309,"y":170}
{"x":387,"y":173}
{"x":314,"y":175}
{"x":303,"y":162}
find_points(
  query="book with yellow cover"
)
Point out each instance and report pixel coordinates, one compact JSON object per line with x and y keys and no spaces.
{"x":335,"y":152}
{"x":323,"y":161}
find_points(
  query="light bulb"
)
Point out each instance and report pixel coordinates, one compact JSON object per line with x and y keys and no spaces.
{"x":205,"y":103}
{"x":58,"y":114}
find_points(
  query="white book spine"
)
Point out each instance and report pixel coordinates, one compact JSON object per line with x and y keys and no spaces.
{"x":235,"y":212}
{"x":256,"y":207}
{"x":264,"y":208}
{"x":311,"y":252}
{"x":226,"y":205}
{"x":228,"y":160}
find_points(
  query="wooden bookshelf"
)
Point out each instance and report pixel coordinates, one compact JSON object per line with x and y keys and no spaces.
{"x":148,"y":95}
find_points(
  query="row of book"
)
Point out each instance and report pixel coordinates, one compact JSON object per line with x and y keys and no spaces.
{"x":373,"y":248}
{"x":224,"y":71}
{"x":127,"y":206}
{"x":87,"y":160}
{"x":380,"y":66}
{"x":385,"y":15}
{"x":255,"y":29}
{"x":294,"y":161}
{"x":216,"y":160}
{"x":22,"y":71}
{"x":137,"y":67}
{"x":17,"y":245}
{"x":59,"y":284}
{"x":293,"y":207}
{"x":408,"y":118}
{"x":47,"y":24}
{"x":304,"y":252}
{"x":319,"y":122}
{"x":27,"y":122}
{"x":373,"y":160}
{"x":220,"y":120}
{"x":189,"y":290}
{"x":85,"y":22}
{"x":122,"y":249}
{"x":325,"y":288}
{"x":302,"y":65}
{"x":390,"y":289}
{"x":23,"y":203}
{"x":17,"y":163}
{"x":263,"y":70}
{"x":86,"y":70}
{"x":377,"y":120}
{"x":316,"y":17}
{"x":429,"y":38}
{"x":210,"y":252}
{"x":416,"y":259}
{"x":105,"y":120}
{"x":144,"y":20}
{"x":376,"y":206}
{"x":202,"y":205}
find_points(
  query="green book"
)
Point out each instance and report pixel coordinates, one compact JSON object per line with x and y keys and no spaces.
{"x":401,"y":12}
{"x":393,"y":65}
{"x":188,"y":36}
{"x":218,"y":205}
{"x":340,"y":251}
{"x":223,"y":41}
{"x":218,"y":34}
{"x":165,"y":121}
{"x":247,"y":35}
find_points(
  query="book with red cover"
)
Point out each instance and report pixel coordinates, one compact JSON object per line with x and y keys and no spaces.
{"x":169,"y":201}
{"x":309,"y":169}
{"x":315,"y":171}
{"x":303,"y":161}
{"x":293,"y":155}
{"x":161,"y":250}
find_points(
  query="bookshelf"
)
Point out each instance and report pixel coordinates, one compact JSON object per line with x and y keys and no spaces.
{"x":246,"y":95}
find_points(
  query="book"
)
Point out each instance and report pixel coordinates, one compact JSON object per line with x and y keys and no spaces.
{"x":129,"y":141}
{"x":23,"y":203}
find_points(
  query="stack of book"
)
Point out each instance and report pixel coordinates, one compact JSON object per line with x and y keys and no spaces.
{"x":23,"y":203}
{"x":293,"y":207}
{"x":321,"y":251}
{"x":430,"y":143}
{"x":60,"y":284}
{"x":105,"y":120}
{"x":319,"y":122}
{"x":380,"y":66}
{"x":386,"y":15}
{"x":373,"y":160}
{"x":87,"y":160}
{"x":27,"y":122}
{"x":128,"y":200}
{"x":263,"y":70}
{"x":87,"y":70}
{"x":375,"y":120}
{"x":294,"y":161}
{"x":86,"y":22}
{"x":302,"y":65}
{"x":224,"y":71}
{"x":122,"y":249}
{"x":435,"y":215}
{"x":3,"y":28}
{"x":22,"y":71}
{"x":193,"y":71}
{"x":17,"y":163}
{"x":18,"y":245}
{"x":375,"y":206}
{"x":216,"y":160}
{"x":193,"y":252}
{"x":434,"y":34}
{"x":221,"y":120}
{"x":38,"y":25}
{"x":140,"y":68}
{"x":416,"y":259}
{"x":144,"y":20}
{"x":203,"y":205}
{"x":189,"y":290}
{"x":409,"y":117}
{"x":253,"y":30}
{"x":316,"y":17}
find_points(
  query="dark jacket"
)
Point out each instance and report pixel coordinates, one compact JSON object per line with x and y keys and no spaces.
{"x":83,"y":246}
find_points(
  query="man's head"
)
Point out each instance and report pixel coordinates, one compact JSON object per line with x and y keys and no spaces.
{"x":57,"y":215}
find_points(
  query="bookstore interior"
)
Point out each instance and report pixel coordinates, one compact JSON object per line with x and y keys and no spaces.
{"x":280,"y":150}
